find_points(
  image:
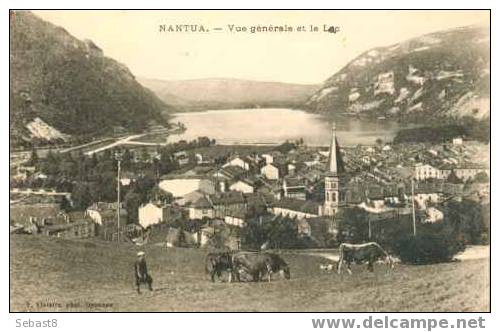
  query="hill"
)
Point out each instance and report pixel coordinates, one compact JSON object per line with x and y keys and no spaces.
{"x":52,"y":270}
{"x":439,"y":75}
{"x":62,"y":87}
{"x":226,"y":93}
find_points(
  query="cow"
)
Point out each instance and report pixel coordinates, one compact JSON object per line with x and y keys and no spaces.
{"x":257,"y":264}
{"x":370,"y":252}
{"x":216,"y":263}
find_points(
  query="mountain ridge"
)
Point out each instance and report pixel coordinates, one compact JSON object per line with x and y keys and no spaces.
{"x":223,"y":93}
{"x":69,"y":85}
{"x":444,"y":74}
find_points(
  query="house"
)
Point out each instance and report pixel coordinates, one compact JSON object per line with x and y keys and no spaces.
{"x":227,"y":202}
{"x":469,"y":171}
{"x":245,"y":186}
{"x":37,"y":214}
{"x":245,"y":163}
{"x":152,"y":213}
{"x":201,"y":209}
{"x":294,"y":188}
{"x":422,"y":199}
{"x":105,"y":213}
{"x":81,"y":229}
{"x":457,"y":141}
{"x":433,"y":215}
{"x":230,"y":173}
{"x":200,"y":160}
{"x":179,"y":187}
{"x":258,"y":203}
{"x":296,"y":208}
{"x":190,"y":198}
{"x":235,"y":219}
{"x":426,"y":171}
{"x":269,"y":158}
{"x":127,"y":178}
{"x":270,"y":172}
{"x":181,"y":157}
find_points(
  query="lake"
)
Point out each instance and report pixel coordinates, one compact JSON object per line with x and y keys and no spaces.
{"x":276,"y":125}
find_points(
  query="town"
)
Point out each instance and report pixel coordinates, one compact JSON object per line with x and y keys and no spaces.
{"x":200,"y":194}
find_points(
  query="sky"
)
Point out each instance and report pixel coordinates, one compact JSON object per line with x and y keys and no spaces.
{"x":134,"y":38}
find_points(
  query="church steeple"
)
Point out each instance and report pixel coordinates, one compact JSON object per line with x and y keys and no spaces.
{"x":335,"y":164}
{"x":334,"y":194}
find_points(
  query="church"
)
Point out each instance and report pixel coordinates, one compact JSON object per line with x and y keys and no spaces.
{"x":335,"y":192}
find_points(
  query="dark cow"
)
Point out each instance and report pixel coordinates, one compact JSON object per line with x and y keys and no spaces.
{"x":258,"y":264}
{"x":362,"y":253}
{"x":216,"y":263}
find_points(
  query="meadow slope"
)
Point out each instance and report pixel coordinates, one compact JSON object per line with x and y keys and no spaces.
{"x":53,"y":274}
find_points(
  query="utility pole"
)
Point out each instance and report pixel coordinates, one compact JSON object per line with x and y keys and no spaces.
{"x":369,"y":228}
{"x":118,"y":158}
{"x":413,"y":207}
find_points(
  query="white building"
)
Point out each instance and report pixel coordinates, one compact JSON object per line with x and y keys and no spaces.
{"x":152,"y":213}
{"x":433,"y":215}
{"x":422,"y":199}
{"x":268,"y":158}
{"x":242,"y":186}
{"x":423,"y":172}
{"x":234,"y":220}
{"x":200,"y":209}
{"x":270,"y":171}
{"x":181,"y":187}
{"x":240,"y":162}
{"x":469,"y":172}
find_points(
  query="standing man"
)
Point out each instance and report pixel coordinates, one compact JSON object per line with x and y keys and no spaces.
{"x":141,"y":272}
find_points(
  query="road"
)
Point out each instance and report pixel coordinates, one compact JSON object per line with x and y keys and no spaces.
{"x":129,"y":140}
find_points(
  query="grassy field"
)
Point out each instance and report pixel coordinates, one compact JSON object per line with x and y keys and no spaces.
{"x":62,"y":275}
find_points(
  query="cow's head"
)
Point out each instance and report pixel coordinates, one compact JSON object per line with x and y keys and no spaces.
{"x":285,"y":272}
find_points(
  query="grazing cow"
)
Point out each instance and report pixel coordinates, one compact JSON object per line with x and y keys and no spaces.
{"x":360,"y":253}
{"x":216,"y":263}
{"x":258,"y":264}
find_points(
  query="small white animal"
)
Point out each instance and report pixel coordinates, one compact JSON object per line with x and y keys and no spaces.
{"x":326,"y":267}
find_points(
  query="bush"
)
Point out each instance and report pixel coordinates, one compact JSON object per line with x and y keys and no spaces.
{"x":433,"y":244}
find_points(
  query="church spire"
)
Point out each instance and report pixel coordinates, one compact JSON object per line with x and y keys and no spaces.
{"x":335,"y":164}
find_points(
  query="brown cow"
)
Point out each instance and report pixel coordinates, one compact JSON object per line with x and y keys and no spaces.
{"x":360,"y":253}
{"x":257,"y":265}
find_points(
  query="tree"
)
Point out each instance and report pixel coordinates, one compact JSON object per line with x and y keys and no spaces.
{"x":81,"y":196}
{"x":482,"y":177}
{"x":465,"y":218}
{"x":50,"y":165}
{"x":352,"y":225}
{"x":132,"y":201}
{"x":33,"y":160}
{"x":432,"y":244}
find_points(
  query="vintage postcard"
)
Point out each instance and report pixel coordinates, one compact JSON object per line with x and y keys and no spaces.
{"x":252,"y":160}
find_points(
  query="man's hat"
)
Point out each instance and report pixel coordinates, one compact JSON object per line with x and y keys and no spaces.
{"x":141,"y":253}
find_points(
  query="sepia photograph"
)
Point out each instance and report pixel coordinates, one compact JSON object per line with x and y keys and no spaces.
{"x":249,"y":161}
